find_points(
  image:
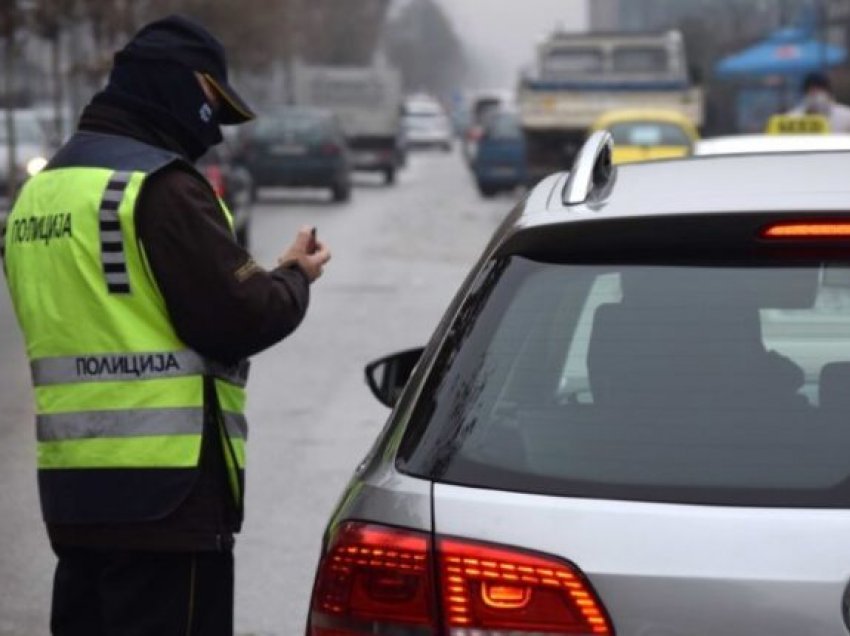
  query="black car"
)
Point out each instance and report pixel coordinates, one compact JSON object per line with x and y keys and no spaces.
{"x":299,"y":147}
{"x":233,"y":184}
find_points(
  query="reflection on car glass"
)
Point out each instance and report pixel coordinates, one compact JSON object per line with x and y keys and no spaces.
{"x":692,"y":384}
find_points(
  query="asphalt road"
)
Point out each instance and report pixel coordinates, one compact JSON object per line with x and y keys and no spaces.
{"x":399,"y":255}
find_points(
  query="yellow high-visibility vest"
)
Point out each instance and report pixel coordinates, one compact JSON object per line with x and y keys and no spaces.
{"x":120,"y":399}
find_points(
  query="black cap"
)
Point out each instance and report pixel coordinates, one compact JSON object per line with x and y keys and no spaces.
{"x":817,"y":79}
{"x":178,"y":39}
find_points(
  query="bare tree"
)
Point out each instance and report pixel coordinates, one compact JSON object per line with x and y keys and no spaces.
{"x":422,"y":43}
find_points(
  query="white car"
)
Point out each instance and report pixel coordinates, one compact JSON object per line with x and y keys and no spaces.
{"x":632,"y":420}
{"x":426,"y":124}
{"x":761,"y":144}
{"x":32,"y":147}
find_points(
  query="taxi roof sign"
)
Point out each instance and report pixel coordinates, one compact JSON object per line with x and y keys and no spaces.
{"x":798,"y":125}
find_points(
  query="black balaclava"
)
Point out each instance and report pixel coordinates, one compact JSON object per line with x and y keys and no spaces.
{"x":166,"y":95}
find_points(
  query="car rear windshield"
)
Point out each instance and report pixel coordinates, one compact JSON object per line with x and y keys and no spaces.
{"x":648,"y":133}
{"x":504,"y":127}
{"x":566,"y":62}
{"x":298,"y":128}
{"x":640,"y":60}
{"x":690,"y":384}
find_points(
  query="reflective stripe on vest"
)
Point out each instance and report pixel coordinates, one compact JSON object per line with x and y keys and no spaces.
{"x":113,"y":259}
{"x":113,"y":367}
{"x":88,"y":424}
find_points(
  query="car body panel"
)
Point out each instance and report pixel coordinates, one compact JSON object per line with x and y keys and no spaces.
{"x":761,"y":571}
{"x":389,"y":497}
{"x":625,"y":153}
{"x":293,"y":172}
{"x":762,"y":144}
{"x":635,"y":154}
{"x":734,"y":184}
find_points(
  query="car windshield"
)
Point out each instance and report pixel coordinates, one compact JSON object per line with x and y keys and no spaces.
{"x":504,"y":127}
{"x":690,"y":384}
{"x":305,"y":128}
{"x":640,"y":60}
{"x":648,"y":133}
{"x":559,"y":62}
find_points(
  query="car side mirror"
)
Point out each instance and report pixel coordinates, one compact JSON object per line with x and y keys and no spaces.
{"x":388,"y":376}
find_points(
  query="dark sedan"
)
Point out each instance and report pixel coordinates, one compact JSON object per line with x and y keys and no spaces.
{"x":299,"y":147}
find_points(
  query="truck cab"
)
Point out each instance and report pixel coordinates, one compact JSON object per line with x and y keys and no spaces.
{"x":579,"y":77}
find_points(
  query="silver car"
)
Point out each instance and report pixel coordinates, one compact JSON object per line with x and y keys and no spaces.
{"x":632,"y":420}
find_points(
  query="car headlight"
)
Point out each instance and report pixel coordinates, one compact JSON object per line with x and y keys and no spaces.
{"x":36,"y":165}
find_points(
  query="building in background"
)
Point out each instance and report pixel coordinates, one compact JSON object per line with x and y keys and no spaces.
{"x":837,"y":15}
{"x":603,"y":15}
{"x":654,"y":15}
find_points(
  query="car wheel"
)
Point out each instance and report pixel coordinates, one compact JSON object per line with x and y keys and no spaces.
{"x":487,"y":191}
{"x":389,"y":176}
{"x":341,"y":192}
{"x":447,"y":146}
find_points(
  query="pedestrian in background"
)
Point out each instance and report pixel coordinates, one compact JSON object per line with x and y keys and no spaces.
{"x":819,"y":99}
{"x":139,"y":310}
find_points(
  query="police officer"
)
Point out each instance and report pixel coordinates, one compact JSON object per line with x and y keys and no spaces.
{"x":139,"y":310}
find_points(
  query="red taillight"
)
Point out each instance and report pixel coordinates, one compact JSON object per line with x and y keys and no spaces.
{"x":381,"y":580}
{"x":330,"y":149}
{"x":216,"y":178}
{"x":372,"y":579}
{"x":808,"y":229}
{"x":475,"y":133}
{"x":502,"y":589}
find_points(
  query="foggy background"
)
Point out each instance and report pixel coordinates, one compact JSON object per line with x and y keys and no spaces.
{"x":501,"y":34}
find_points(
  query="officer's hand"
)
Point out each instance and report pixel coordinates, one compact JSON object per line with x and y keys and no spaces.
{"x":311,"y":262}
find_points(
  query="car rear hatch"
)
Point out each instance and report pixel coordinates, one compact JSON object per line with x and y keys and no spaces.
{"x":664,"y":426}
{"x":673,"y":570}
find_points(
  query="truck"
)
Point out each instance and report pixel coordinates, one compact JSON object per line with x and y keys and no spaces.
{"x":367,"y":101}
{"x":579,"y":77}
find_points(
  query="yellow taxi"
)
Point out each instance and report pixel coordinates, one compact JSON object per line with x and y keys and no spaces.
{"x":648,"y":134}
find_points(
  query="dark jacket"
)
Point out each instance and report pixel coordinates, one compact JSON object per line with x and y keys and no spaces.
{"x":222,"y":304}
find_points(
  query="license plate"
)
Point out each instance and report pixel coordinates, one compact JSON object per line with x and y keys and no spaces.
{"x":287,"y":149}
{"x":503,"y":171}
{"x":367,"y":157}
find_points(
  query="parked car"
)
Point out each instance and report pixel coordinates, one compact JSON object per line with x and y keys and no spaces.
{"x":233,"y":184}
{"x":32,"y":147}
{"x":482,"y":106}
{"x":426,"y":124}
{"x":298,"y":147}
{"x":648,"y":134}
{"x":632,"y":419}
{"x":499,"y":163}
{"x":761,"y":144}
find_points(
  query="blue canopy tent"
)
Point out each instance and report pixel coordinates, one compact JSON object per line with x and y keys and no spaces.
{"x":771,"y":72}
{"x":790,"y":51}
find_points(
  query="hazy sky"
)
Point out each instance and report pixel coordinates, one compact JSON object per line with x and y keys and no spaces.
{"x":502,"y":33}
